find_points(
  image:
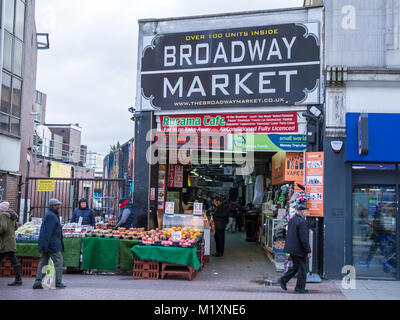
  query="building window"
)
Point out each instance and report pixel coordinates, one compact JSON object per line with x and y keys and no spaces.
{"x":16,"y":98}
{"x":15,"y":126}
{"x":6,"y":93}
{"x":18,"y":56}
{"x":8,"y":51}
{"x":9,"y":15}
{"x":19,"y":19}
{"x":4,"y":122}
{"x":10,"y":105}
{"x":13,"y":55}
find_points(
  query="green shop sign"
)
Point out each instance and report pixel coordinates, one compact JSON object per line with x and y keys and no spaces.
{"x":269,"y":142}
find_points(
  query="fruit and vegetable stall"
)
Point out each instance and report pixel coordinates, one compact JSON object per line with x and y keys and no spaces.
{"x":151,"y":254}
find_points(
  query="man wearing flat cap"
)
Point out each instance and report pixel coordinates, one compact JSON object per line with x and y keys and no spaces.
{"x":298,"y":246}
{"x":50,"y":244}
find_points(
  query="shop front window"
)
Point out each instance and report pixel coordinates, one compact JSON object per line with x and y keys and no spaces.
{"x":374,"y":230}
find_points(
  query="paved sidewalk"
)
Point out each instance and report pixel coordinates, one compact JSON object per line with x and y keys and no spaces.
{"x":372,"y":290}
{"x":238,"y":275}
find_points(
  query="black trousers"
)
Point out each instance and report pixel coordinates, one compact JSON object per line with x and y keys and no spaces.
{"x":11,"y":256}
{"x":219,"y":237}
{"x":299,"y":268}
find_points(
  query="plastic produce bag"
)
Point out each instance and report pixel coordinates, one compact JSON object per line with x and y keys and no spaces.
{"x":49,"y":280}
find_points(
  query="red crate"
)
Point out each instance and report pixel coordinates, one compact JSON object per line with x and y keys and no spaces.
{"x":29,"y":267}
{"x":146,"y":275}
{"x":177,"y":269}
{"x":146,"y":265}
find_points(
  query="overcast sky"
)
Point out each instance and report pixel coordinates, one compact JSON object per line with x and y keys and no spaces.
{"x":89,"y":73}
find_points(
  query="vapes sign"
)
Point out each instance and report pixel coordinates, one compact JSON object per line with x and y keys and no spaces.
{"x":245,"y":67}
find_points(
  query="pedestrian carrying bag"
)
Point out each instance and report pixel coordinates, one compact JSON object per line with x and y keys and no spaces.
{"x":49,"y":280}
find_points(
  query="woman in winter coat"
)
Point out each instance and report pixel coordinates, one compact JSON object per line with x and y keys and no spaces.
{"x":8,"y":246}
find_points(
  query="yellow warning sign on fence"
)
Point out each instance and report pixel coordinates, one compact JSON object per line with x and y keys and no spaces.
{"x":45,"y":186}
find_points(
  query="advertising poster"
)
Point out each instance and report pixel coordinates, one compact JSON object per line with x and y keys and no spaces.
{"x":287,"y":167}
{"x":175,"y":176}
{"x":315,"y":183}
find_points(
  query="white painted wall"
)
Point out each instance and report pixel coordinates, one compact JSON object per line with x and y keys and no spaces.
{"x":10,"y":152}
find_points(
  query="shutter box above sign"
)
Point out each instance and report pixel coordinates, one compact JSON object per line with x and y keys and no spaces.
{"x":277,"y":65}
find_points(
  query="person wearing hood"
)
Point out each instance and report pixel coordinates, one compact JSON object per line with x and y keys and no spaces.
{"x":126,"y":215}
{"x":8,"y":246}
{"x":85,"y":212}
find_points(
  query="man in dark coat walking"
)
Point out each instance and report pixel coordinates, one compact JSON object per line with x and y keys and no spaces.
{"x":220,"y":216}
{"x":50,"y":244}
{"x":298,"y":246}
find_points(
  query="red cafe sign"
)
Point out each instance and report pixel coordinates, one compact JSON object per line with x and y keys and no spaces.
{"x":228,"y":123}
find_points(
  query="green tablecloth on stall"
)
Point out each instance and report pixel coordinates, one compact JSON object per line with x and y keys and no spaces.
{"x":125,"y":258}
{"x":71,"y":254}
{"x":100,"y":253}
{"x":184,"y":256}
{"x":25,"y":249}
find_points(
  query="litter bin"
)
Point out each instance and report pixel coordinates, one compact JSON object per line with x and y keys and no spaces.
{"x":250,"y":219}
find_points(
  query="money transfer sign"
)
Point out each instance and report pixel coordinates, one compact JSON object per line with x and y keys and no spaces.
{"x":237,"y":67}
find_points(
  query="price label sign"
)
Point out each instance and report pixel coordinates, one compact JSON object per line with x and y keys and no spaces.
{"x":169,"y":207}
{"x":176,"y":235}
{"x":80,"y":221}
{"x":197,"y":208}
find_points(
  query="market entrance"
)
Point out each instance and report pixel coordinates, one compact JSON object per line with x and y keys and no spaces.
{"x":258,"y":200}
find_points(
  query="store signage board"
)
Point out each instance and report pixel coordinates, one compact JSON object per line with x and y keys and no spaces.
{"x":229,"y":123}
{"x":45,"y":186}
{"x":315,"y":183}
{"x":255,"y":66}
{"x":191,"y":141}
{"x":198,"y":209}
{"x":170,"y":208}
{"x":269,"y":142}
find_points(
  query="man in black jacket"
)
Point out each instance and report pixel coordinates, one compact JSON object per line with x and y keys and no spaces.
{"x":220,"y":216}
{"x":298,"y":246}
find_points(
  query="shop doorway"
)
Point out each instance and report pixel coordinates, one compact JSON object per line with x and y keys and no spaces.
{"x":375,"y":221}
